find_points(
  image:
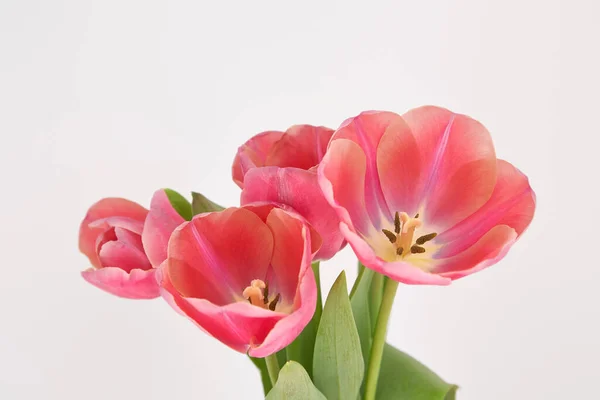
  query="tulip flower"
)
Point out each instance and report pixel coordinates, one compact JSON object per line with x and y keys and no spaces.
{"x":280,"y":167}
{"x":124,"y":243}
{"x":243,"y":276}
{"x":421,"y":197}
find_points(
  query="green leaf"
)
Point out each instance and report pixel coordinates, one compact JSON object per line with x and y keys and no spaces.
{"x":200,"y":204}
{"x":180,"y":204}
{"x":403,"y":377}
{"x":302,"y":348}
{"x":294,"y":384}
{"x":359,"y":299}
{"x":264,"y":374}
{"x":338,"y":365}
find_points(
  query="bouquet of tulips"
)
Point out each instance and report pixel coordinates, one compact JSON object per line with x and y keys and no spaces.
{"x":421,"y":198}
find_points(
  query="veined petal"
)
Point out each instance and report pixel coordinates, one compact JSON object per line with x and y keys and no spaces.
{"x":512,"y":204}
{"x":137,"y":284}
{"x":253,"y":154}
{"x":216,"y":255}
{"x":300,"y":190}
{"x":488,"y":250}
{"x":458,"y":164}
{"x":108,"y":207}
{"x":158,"y":227}
{"x":302,"y":146}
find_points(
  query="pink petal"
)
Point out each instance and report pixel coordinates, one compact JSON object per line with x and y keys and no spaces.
{"x":123,"y":256}
{"x":366,"y":130}
{"x":300,"y":190}
{"x":216,"y":255}
{"x":512,"y":203}
{"x":341,"y":176}
{"x":458,"y":164}
{"x":126,"y":223}
{"x":399,"y":271}
{"x":302,"y":146}
{"x":288,"y":328}
{"x":137,"y":284}
{"x":108,"y":207}
{"x":160,"y":223}
{"x":253,"y":154}
{"x":490,"y":249}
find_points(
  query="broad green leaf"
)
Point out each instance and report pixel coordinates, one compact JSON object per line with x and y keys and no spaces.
{"x":403,"y":377}
{"x":180,"y":204}
{"x":338,"y":366}
{"x":264,"y":374}
{"x":200,"y":204}
{"x":294,"y":384}
{"x":359,"y":298}
{"x":302,"y":348}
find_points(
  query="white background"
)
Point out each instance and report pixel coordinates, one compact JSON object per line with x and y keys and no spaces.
{"x":119,"y":98}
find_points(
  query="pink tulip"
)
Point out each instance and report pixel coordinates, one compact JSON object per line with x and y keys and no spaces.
{"x":243,"y":275}
{"x":280,"y":167}
{"x":124,"y":242}
{"x":422,"y":198}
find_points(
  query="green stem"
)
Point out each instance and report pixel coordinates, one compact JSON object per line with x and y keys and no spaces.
{"x":272,"y":367}
{"x":389,"y":292}
{"x":375,"y":294}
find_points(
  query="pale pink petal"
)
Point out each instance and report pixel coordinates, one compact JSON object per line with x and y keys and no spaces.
{"x":399,"y":167}
{"x":458,"y":164}
{"x":302,"y":146}
{"x":126,"y":223}
{"x":123,"y":256}
{"x":300,"y":190}
{"x":490,"y":249}
{"x":130,"y":238}
{"x":137,"y":284}
{"x":512,"y":203}
{"x":341,"y":177}
{"x":105,"y":208}
{"x":160,"y":223}
{"x":253,"y":154}
{"x":216,"y":255}
{"x":366,"y":130}
{"x":399,"y":271}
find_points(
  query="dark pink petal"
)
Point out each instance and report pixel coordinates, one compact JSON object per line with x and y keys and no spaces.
{"x":123,"y":256}
{"x":490,"y":249}
{"x":458,"y":164}
{"x":302,"y":146}
{"x":253,"y":154}
{"x":341,"y":177}
{"x":216,"y":255}
{"x":137,"y":284}
{"x":366,"y":130}
{"x":300,"y":190}
{"x":109,"y":207}
{"x":512,"y":203}
{"x":400,"y":271}
{"x":160,"y":223}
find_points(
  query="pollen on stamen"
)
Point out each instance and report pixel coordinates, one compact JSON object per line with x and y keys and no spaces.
{"x":399,"y":251}
{"x":426,"y":238}
{"x":417,"y":249}
{"x":390,"y":235}
{"x":266,"y":293}
{"x":417,"y":215}
{"x":397,"y":222}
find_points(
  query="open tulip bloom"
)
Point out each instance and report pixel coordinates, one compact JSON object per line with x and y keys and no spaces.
{"x":421,"y":199}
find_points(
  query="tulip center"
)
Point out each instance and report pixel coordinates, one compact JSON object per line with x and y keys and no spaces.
{"x":257,"y":294}
{"x":403,"y":235}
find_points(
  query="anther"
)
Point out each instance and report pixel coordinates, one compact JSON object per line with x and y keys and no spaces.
{"x":274,"y":302}
{"x":399,"y":251}
{"x":426,"y":238}
{"x":417,"y":215}
{"x":266,"y":293}
{"x":417,"y":249}
{"x":390,"y":235}
{"x":397,"y":222}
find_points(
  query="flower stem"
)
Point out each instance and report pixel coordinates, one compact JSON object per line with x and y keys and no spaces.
{"x":272,"y":367}
{"x":389,"y":292}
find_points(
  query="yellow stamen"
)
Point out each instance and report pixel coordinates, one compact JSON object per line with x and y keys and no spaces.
{"x":258,"y":295}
